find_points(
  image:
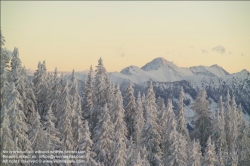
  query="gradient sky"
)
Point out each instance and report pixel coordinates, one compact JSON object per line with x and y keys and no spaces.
{"x":74,"y":35}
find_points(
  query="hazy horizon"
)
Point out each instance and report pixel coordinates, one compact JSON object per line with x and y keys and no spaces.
{"x":74,"y":35}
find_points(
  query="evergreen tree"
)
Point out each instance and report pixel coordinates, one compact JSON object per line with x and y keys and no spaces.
{"x":55,"y":94}
{"x":65,"y":125}
{"x":7,"y":142}
{"x":210,"y":155}
{"x":181,"y":121}
{"x":41,"y":89}
{"x":130,"y":108}
{"x":150,"y":133}
{"x":218,"y":132}
{"x":169,"y":124}
{"x":37,"y":136}
{"x":18,"y":126}
{"x":85,"y":145}
{"x":103,"y":137}
{"x":203,"y":123}
{"x":177,"y":154}
{"x":139,"y":121}
{"x":195,"y":155}
{"x":88,"y":95}
{"x":131,"y":151}
{"x":120,"y":130}
{"x":53,"y":141}
{"x":244,"y":143}
{"x":5,"y":59}
{"x":101,"y":93}
{"x":75,"y":108}
{"x":161,"y":111}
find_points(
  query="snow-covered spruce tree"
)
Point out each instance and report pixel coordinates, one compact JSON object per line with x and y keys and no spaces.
{"x":7,"y":142}
{"x":181,"y":121}
{"x":130,"y":107}
{"x":233,"y":130}
{"x":203,"y":120}
{"x":195,"y":158}
{"x":5,"y":59}
{"x":53,"y":141}
{"x":228,"y":120}
{"x":119,"y":156}
{"x":143,"y":100}
{"x":131,"y":151}
{"x":65,"y":125}
{"x":19,"y":77}
{"x":139,"y":121}
{"x":177,"y":153}
{"x":4,"y":84}
{"x":103,"y":137}
{"x":41,"y":89}
{"x":87,"y":102}
{"x":150,"y":137}
{"x":120,"y":131}
{"x":210,"y":158}
{"x":18,"y":126}
{"x":244,"y":144}
{"x":55,"y":94}
{"x":218,"y":135}
{"x":85,"y":144}
{"x":37,"y":136}
{"x":169,"y":123}
{"x":101,"y":93}
{"x":161,"y":111}
{"x":29,"y":102}
{"x":75,"y":108}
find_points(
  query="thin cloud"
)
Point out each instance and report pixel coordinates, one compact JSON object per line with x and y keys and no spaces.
{"x":219,"y":49}
{"x":242,"y":54}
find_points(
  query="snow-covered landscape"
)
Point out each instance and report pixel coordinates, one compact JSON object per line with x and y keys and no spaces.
{"x":159,"y":114}
{"x":130,"y":83}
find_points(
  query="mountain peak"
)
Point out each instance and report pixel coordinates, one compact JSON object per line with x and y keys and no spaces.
{"x":157,"y":63}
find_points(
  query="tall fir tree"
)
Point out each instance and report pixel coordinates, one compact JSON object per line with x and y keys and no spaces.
{"x":210,"y":158}
{"x":75,"y":108}
{"x":85,"y":144}
{"x":65,"y":125}
{"x":150,"y":137}
{"x":177,"y":150}
{"x":41,"y":89}
{"x":181,"y":121}
{"x":53,"y":141}
{"x":104,"y":137}
{"x":139,"y":120}
{"x":37,"y":135}
{"x":130,"y":108}
{"x":87,"y":102}
{"x":101,"y":93}
{"x":18,"y":125}
{"x":203,"y":122}
{"x":120,"y":130}
{"x":195,"y":158}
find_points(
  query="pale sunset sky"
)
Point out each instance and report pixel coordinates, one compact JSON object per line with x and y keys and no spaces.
{"x":74,"y":35}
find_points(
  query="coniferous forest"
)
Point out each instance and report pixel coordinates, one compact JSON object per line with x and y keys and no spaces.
{"x":50,"y":112}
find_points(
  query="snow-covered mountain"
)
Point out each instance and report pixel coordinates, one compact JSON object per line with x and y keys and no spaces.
{"x":162,"y":70}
